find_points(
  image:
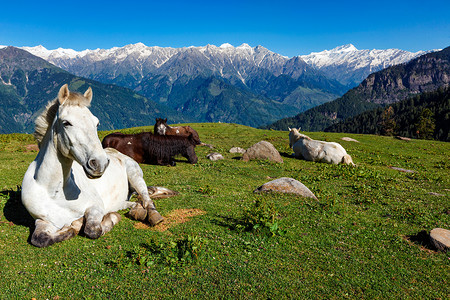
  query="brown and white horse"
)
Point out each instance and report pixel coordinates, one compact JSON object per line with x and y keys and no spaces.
{"x":161,"y":128}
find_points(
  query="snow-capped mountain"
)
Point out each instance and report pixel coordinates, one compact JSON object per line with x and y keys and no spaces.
{"x":351,"y":66}
{"x":138,"y":60}
{"x":152,"y":71}
{"x":346,"y":64}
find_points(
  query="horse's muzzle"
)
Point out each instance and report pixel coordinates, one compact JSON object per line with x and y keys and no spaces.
{"x":94,"y":169}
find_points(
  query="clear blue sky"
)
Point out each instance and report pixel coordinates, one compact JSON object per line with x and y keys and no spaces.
{"x":287,"y":27}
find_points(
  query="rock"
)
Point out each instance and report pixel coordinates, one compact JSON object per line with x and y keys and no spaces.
{"x":262,"y":150}
{"x":403,"y":138}
{"x":349,"y":139}
{"x":402,"y":170}
{"x":440,"y":238}
{"x":237,"y":150}
{"x":286,"y":185}
{"x":207,"y":145}
{"x":435,"y":194}
{"x":214,"y":156}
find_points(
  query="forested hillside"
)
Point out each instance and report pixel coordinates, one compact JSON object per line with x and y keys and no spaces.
{"x":423,"y":116}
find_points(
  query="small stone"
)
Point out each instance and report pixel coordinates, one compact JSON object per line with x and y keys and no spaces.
{"x":237,"y":150}
{"x":348,"y":139}
{"x":286,"y":185}
{"x":440,"y":238}
{"x":403,"y":138}
{"x":214,"y":156}
{"x":435,"y":194}
{"x":402,"y":170}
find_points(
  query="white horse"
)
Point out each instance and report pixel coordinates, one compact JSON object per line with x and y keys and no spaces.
{"x":74,"y":181}
{"x":306,"y":148}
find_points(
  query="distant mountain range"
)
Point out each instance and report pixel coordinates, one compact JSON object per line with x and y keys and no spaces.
{"x":245,"y":85}
{"x":426,"y":73}
{"x":350,"y":66}
{"x":28,"y":82}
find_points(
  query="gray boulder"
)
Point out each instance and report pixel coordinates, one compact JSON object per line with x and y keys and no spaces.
{"x":285,"y":185}
{"x":262,"y":150}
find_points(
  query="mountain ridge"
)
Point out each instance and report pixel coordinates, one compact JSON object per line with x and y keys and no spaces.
{"x":29,"y":82}
{"x":337,"y":62}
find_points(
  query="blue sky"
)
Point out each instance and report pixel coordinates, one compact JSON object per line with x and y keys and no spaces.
{"x":287,"y":27}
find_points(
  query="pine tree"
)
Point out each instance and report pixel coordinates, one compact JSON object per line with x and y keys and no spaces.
{"x":426,"y":125}
{"x":387,"y":121}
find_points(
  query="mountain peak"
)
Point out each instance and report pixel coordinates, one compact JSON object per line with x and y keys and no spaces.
{"x":244,"y":46}
{"x":345,"y":48}
{"x":226,"y":45}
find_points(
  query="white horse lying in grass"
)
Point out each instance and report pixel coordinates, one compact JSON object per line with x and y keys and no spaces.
{"x":74,"y":181}
{"x":306,"y":148}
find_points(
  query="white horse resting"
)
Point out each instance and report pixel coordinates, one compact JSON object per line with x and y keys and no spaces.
{"x":74,"y":181}
{"x":306,"y":148}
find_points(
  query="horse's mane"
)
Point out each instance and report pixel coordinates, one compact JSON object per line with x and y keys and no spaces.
{"x":45,"y":119}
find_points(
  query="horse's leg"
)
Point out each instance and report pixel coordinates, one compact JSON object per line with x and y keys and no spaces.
{"x":136,"y":181}
{"x":191,"y":156}
{"x":93,"y":217}
{"x":97,"y":223}
{"x":45,"y":234}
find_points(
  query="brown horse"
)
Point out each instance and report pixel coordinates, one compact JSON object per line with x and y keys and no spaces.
{"x":161,"y":128}
{"x":152,"y":149}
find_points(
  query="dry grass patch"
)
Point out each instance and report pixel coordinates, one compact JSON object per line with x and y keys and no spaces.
{"x":175,"y":217}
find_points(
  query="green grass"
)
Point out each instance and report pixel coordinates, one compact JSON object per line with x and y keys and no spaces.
{"x":362,"y":238}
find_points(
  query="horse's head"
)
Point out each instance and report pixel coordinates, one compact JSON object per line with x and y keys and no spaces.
{"x":160,"y":126}
{"x":295,"y":135}
{"x":75,"y":132}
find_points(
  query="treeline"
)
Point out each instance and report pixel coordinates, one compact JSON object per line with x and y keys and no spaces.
{"x":425,"y":116}
{"x":322,"y":116}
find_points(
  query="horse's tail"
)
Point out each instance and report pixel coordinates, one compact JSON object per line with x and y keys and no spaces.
{"x":347,"y":159}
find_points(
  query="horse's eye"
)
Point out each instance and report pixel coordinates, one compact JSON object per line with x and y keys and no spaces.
{"x":98,"y":124}
{"x":66,"y":123}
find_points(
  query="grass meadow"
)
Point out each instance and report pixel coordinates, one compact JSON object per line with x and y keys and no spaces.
{"x":365,"y":237}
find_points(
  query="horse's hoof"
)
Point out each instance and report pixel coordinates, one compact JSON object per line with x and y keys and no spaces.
{"x":138,"y":212}
{"x":93,"y":231}
{"x":154,"y":217}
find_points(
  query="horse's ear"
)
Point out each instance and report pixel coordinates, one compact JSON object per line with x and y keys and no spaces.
{"x":88,"y":94}
{"x":289,"y":128}
{"x":165,"y":120}
{"x":63,"y":94}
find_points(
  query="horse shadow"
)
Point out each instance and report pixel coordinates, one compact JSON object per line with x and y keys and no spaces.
{"x":288,"y":155}
{"x":15,"y":212}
